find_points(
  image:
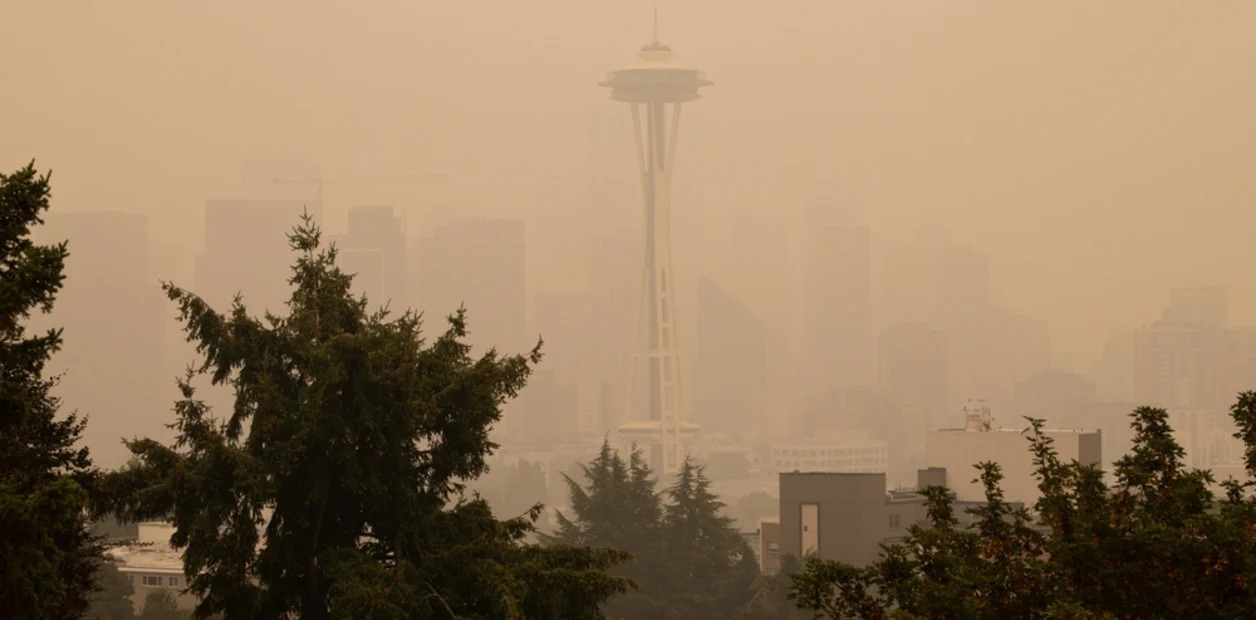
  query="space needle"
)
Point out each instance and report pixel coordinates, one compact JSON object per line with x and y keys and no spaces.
{"x":655,"y":89}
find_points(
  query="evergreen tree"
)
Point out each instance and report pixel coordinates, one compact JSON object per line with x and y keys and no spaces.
{"x":334,"y":487}
{"x":48,"y":556}
{"x":688,"y":560}
{"x":160,"y":604}
{"x":710,"y":568}
{"x":112,"y":601}
{"x":617,"y":507}
{"x":1156,"y":544}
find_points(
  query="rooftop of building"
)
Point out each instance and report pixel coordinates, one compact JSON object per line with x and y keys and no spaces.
{"x":147,"y":558}
{"x":1017,"y":431}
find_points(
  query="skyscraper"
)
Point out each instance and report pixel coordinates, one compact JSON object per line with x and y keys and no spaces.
{"x":375,"y":244}
{"x":477,"y":263}
{"x":836,"y":349}
{"x":912,"y":361}
{"x":730,"y":362}
{"x":113,"y":314}
{"x":247,"y":252}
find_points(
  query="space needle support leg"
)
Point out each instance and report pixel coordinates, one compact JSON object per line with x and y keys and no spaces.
{"x":638,"y":334}
{"x":678,"y":416}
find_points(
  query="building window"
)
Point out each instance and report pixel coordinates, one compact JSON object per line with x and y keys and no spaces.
{"x":174,"y":581}
{"x":152,"y":580}
{"x":894,"y":523}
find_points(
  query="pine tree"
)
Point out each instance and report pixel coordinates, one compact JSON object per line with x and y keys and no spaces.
{"x":688,"y":560}
{"x":334,"y":487}
{"x":710,"y":567}
{"x":616,"y":506}
{"x":113,"y":600}
{"x":48,"y":556}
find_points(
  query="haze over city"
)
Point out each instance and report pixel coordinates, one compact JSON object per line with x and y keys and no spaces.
{"x":884,"y":216}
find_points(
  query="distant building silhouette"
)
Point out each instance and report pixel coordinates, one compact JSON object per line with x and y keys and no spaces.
{"x":836,"y":297}
{"x":247,"y":252}
{"x":375,"y":248}
{"x":113,"y":314}
{"x":477,"y":263}
{"x":1192,"y":363}
{"x":730,"y":363}
{"x":913,"y":368}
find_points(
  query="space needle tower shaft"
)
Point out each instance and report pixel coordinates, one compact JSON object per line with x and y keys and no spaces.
{"x":655,"y":89}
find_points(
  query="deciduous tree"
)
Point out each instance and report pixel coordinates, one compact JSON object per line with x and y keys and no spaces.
{"x":1156,"y":544}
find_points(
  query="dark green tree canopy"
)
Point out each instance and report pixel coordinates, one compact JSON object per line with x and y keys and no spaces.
{"x":1156,"y":544}
{"x":47,"y":554}
{"x":113,"y":600}
{"x":688,"y":560}
{"x":333,"y":488}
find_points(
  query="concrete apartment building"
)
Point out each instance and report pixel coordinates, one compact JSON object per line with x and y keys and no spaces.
{"x":151,"y":565}
{"x":958,"y":450}
{"x":847,"y":516}
{"x":843,"y":516}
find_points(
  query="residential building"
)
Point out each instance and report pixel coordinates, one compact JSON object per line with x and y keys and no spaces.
{"x":843,"y":516}
{"x":151,"y":564}
{"x":959,"y":450}
{"x":769,"y":551}
{"x":835,"y":452}
{"x":846,"y":517}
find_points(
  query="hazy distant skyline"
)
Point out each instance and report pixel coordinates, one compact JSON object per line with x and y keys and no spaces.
{"x":1098,"y":152}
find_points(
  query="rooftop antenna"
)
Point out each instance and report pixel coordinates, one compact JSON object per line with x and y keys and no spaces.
{"x":656,"y":24}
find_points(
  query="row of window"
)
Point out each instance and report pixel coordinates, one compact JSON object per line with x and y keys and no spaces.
{"x":157,"y":581}
{"x":871,"y":462}
{"x":839,"y":452}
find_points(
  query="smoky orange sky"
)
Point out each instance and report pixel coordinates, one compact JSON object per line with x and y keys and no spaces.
{"x":1100,"y":152}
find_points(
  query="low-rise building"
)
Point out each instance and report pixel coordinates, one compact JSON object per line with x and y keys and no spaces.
{"x":848,"y":452}
{"x":152,"y":565}
{"x":769,"y":546}
{"x":846,"y":517}
{"x":959,"y":450}
{"x":843,"y":516}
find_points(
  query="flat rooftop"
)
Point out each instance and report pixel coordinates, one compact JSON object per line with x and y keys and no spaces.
{"x":1019,"y":431}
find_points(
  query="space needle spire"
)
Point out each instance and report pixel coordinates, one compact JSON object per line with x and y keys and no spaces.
{"x":655,"y":88}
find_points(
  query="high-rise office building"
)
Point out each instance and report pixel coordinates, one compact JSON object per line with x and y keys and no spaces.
{"x":836,"y":349}
{"x":375,"y":245}
{"x":247,"y":252}
{"x":113,"y":313}
{"x":730,"y":363}
{"x":1179,"y":359}
{"x":962,"y":285}
{"x":477,"y":264}
{"x":566,"y":322}
{"x":912,"y":370}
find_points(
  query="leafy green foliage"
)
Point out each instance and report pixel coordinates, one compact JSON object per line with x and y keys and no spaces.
{"x":334,"y":488}
{"x":48,"y":555}
{"x":1156,"y":544}
{"x":688,"y":560}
